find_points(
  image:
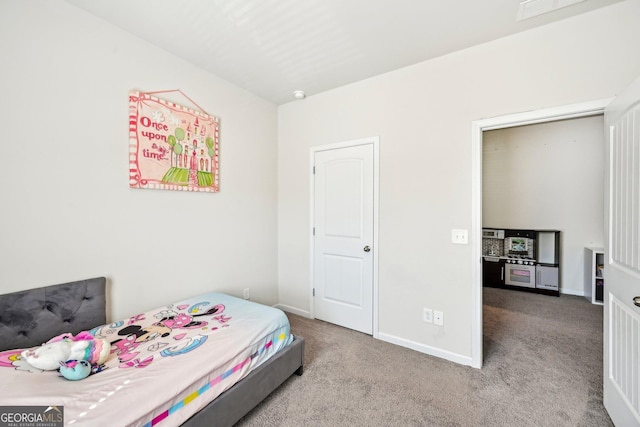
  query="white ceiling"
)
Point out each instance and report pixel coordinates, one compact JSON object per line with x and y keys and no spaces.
{"x":273,"y":47}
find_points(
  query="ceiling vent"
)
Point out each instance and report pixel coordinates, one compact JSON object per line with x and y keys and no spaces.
{"x":530,"y":8}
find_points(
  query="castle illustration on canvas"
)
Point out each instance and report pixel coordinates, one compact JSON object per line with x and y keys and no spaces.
{"x":171,"y":147}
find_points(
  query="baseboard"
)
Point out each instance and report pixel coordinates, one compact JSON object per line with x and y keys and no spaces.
{"x":294,"y":310}
{"x":571,"y":292}
{"x":432,"y":351}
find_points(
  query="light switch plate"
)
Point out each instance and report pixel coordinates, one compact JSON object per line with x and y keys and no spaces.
{"x":460,"y":236}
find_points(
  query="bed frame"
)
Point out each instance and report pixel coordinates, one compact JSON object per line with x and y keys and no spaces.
{"x":29,"y":318}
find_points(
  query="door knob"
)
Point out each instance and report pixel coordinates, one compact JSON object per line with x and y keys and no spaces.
{"x":636,"y":301}
{"x":367,"y":248}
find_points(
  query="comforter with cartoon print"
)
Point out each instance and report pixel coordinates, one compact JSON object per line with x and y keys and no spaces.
{"x":164,"y":366}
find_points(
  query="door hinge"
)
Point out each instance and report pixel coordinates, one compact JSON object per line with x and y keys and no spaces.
{"x":314,"y":231}
{"x":314,"y":170}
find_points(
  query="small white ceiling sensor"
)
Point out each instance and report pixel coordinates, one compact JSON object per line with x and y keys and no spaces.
{"x":299,"y":94}
{"x":530,"y":8}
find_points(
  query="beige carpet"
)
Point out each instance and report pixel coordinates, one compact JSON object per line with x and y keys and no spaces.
{"x":543,"y":367}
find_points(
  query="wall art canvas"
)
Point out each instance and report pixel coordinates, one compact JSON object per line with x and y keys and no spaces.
{"x":171,"y":147}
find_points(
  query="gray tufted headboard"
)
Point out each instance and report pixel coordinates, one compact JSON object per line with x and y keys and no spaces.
{"x":30,"y":318}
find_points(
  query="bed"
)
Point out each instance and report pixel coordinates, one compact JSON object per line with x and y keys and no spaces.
{"x":182,"y":364}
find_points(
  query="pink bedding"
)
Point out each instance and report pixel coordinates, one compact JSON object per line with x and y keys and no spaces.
{"x":164,"y":366}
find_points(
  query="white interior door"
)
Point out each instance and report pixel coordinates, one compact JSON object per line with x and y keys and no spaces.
{"x":622,"y":255}
{"x":343,"y":236}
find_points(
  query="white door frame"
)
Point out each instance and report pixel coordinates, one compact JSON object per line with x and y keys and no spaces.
{"x":585,"y":109}
{"x":375,"y":140}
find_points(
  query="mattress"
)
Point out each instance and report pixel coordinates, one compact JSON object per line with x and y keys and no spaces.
{"x":165,"y":364}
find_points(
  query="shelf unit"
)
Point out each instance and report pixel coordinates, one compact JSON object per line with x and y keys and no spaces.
{"x":594,"y":275}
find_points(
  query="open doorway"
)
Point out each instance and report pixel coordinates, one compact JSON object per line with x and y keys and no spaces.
{"x":478,"y":129}
{"x":548,"y":176}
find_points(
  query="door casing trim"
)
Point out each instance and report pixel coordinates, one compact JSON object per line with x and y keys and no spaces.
{"x":571,"y":111}
{"x":375,"y":141}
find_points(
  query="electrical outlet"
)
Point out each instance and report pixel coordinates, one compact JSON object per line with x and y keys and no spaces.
{"x":427,"y":315}
{"x":460,"y":237}
{"x":438,"y":318}
{"x":246,"y":293}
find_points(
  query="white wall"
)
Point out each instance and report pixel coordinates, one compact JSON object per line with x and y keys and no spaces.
{"x":549,"y":176}
{"x":423,"y":116}
{"x":67,"y":210}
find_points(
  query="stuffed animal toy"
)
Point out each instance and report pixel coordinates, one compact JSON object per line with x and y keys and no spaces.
{"x":75,"y":369}
{"x":49,"y":355}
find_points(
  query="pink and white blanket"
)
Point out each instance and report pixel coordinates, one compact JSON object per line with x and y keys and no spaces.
{"x":165,"y":364}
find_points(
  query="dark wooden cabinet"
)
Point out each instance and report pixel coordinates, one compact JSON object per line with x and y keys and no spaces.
{"x":493,"y":271}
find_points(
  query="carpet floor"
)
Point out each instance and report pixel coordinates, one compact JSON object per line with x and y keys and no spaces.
{"x":542,"y":367}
